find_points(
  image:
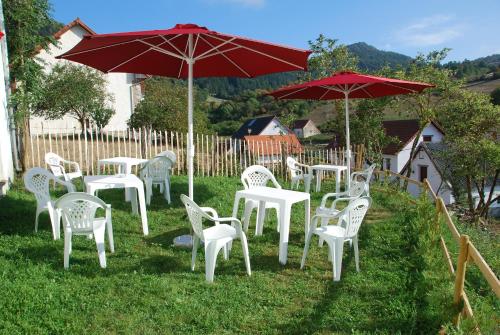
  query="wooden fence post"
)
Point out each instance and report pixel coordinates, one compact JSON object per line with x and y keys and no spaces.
{"x":460,"y":276}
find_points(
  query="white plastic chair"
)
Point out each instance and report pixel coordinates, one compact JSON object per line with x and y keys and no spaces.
{"x":157,"y":172}
{"x":37,"y":180}
{"x":346,"y":230}
{"x":214,"y":238}
{"x":366,"y":175}
{"x":253,"y":176}
{"x":78,"y":212}
{"x":170,"y":154}
{"x":298,"y":173}
{"x":56,"y":166}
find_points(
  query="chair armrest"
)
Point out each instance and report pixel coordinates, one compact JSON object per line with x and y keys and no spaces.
{"x":69,"y":186}
{"x":307,"y":167}
{"x":74,"y":164}
{"x":330,"y":195}
{"x":212,"y":212}
{"x":334,"y":204}
{"x":234,"y":221}
{"x":275,"y":182}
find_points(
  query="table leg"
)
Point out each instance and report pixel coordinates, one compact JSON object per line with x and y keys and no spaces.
{"x":307,"y":216}
{"x":318,"y":180}
{"x":133,"y":197}
{"x":285,"y":210}
{"x":127,"y":169}
{"x":142,"y":205}
{"x":337,"y":181}
{"x":261,"y":212}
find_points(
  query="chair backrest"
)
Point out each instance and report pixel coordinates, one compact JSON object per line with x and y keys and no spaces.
{"x":78,"y":210}
{"x":357,"y":188}
{"x":354,"y":214}
{"x":36,"y":180}
{"x":292,"y":167}
{"x":196,"y":215}
{"x":158,"y":168}
{"x":53,"y":160}
{"x":170,"y":154}
{"x":257,"y":175}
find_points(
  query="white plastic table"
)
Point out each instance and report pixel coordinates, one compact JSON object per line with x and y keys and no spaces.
{"x":126,"y":181}
{"x":321,"y":168}
{"x":124,"y":165}
{"x":285,"y":199}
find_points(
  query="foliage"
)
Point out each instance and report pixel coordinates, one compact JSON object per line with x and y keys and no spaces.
{"x":77,"y":91}
{"x":495,"y":96}
{"x":472,"y":123}
{"x":148,"y":286}
{"x":478,"y":69}
{"x":164,"y":107}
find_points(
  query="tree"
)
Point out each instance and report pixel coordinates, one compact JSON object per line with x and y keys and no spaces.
{"x":495,"y":96}
{"x":164,"y":107}
{"x":426,"y":105}
{"x":24,"y":20}
{"x":471,"y":124}
{"x":77,"y":91}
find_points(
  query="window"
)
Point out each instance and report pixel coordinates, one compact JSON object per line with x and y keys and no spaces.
{"x":427,"y":138}
{"x":422,"y":172}
{"x":387,"y":163}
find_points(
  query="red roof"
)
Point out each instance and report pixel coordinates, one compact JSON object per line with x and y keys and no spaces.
{"x":273,"y":144}
{"x":404,"y":131}
{"x":76,"y":22}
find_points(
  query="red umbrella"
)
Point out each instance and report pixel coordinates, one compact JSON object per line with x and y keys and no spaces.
{"x":185,"y":51}
{"x":345,"y":85}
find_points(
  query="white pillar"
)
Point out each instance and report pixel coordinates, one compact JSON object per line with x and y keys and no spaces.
{"x":190,"y":148}
{"x":347,"y":141}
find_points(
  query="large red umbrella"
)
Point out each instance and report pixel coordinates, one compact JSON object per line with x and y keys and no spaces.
{"x":349,"y":85}
{"x":185,"y":51}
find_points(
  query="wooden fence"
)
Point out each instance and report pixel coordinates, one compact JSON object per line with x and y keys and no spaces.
{"x":214,"y":155}
{"x":467,"y":250}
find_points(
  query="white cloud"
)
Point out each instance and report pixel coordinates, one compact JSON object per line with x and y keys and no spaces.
{"x":430,"y":31}
{"x":243,"y":3}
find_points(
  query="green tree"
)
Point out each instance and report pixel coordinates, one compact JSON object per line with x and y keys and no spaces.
{"x":495,"y":96}
{"x":426,"y":105}
{"x":77,"y":91}
{"x":472,"y":123}
{"x":24,"y":20}
{"x":164,"y":107}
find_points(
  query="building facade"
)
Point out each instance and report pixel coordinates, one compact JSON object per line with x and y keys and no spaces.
{"x":305,"y":128}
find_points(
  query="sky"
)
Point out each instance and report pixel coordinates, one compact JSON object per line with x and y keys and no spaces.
{"x":470,"y":28}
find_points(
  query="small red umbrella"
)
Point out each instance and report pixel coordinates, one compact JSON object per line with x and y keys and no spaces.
{"x":349,"y":85}
{"x":185,"y":51}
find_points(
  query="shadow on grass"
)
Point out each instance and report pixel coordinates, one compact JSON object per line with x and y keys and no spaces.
{"x":17,"y":217}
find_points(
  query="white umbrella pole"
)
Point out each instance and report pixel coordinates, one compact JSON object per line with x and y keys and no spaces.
{"x":190,"y":117}
{"x":347,"y":141}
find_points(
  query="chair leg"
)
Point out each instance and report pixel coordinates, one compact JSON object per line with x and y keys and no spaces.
{"x":166,"y":192}
{"x":212,"y":249}
{"x":337,"y":260}
{"x":196,"y":244}
{"x":67,"y":248}
{"x":246,"y":254}
{"x":109,"y":227}
{"x":324,"y":223}
{"x":307,"y":184}
{"x":38,"y":211}
{"x":356,"y":252}
{"x":99,"y":241}
{"x":149,"y":190}
{"x":278,"y":219}
{"x":306,"y":249}
{"x":54,"y":221}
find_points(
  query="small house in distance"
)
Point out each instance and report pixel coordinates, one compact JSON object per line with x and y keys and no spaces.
{"x":271,"y":148}
{"x":396,"y":155}
{"x":267,"y":125}
{"x":305,"y":128}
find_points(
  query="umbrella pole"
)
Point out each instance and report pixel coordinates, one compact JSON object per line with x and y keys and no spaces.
{"x":190,"y":155}
{"x":347,"y":141}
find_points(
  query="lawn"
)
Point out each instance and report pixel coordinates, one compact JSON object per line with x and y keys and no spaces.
{"x":148,"y":287}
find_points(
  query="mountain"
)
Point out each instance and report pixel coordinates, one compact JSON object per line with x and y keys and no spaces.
{"x":372,"y":59}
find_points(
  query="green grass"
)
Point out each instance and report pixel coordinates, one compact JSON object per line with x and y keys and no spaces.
{"x":148,"y":287}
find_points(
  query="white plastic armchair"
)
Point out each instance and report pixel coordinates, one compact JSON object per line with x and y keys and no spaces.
{"x":78,"y":212}
{"x":157,"y":172}
{"x":254,"y":176}
{"x":366,"y":175}
{"x":36,"y":181}
{"x":56,"y":165}
{"x":214,"y":238}
{"x":170,"y":154}
{"x":299,"y":172}
{"x":346,"y":230}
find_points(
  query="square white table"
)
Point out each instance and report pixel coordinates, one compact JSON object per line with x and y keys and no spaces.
{"x":124,"y":165}
{"x":321,"y":168}
{"x":285,"y":199}
{"x":126,"y":181}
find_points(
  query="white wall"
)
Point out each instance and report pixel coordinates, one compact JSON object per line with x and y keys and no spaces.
{"x":6,"y":160}
{"x":433,"y":176}
{"x":310,"y":130}
{"x":274,"y":128}
{"x":118,"y":84}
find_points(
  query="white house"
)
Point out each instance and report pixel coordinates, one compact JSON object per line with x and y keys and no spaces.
{"x":267,"y":125}
{"x":121,"y":85}
{"x":396,"y":155}
{"x":305,"y":128}
{"x":429,"y":163}
{"x":6,"y":159}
